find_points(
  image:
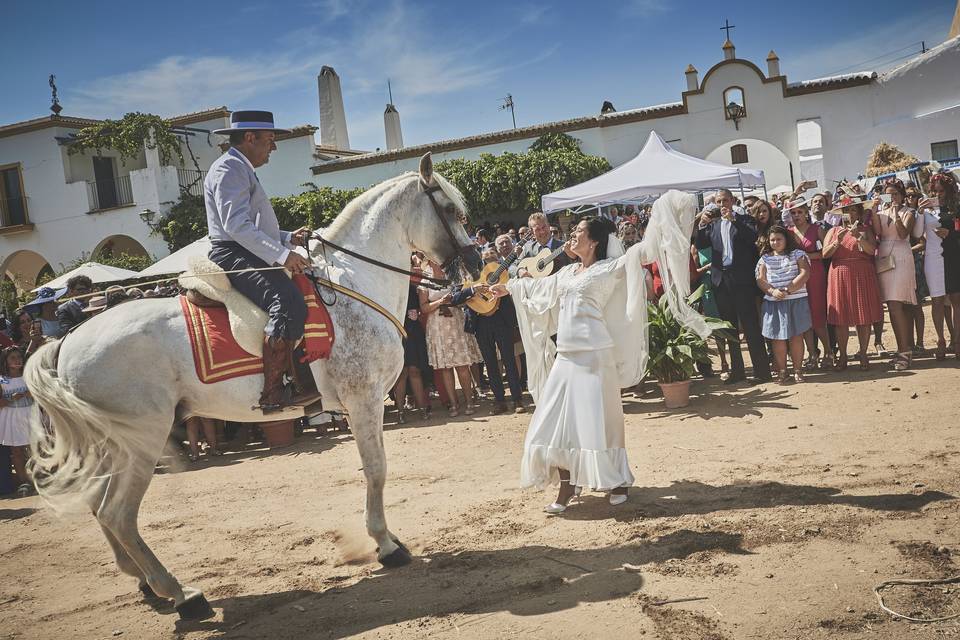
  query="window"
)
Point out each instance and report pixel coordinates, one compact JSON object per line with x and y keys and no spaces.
{"x":734,"y":103}
{"x":13,"y":205}
{"x":738,"y":154}
{"x":946,"y":150}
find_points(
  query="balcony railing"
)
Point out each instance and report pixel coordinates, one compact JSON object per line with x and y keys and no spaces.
{"x":191,"y":181}
{"x":111,"y":193}
{"x":13,"y":211}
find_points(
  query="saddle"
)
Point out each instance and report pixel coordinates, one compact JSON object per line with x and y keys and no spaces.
{"x":208,"y":285}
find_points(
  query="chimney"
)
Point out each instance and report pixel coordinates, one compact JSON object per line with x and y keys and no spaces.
{"x":773,"y":65}
{"x":333,"y":119}
{"x":391,"y":124}
{"x":729,"y":52}
{"x":693,"y":80}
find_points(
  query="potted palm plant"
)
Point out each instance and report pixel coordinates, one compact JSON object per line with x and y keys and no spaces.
{"x":675,"y":350}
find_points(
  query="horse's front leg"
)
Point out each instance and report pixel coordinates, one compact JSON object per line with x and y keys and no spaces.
{"x":367,"y":428}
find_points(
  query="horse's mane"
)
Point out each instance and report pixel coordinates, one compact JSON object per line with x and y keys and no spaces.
{"x":365,"y":199}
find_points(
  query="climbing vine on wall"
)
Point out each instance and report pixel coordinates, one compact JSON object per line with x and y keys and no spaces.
{"x":128,"y":136}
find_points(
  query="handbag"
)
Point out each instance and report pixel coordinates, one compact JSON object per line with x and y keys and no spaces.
{"x":885,"y":263}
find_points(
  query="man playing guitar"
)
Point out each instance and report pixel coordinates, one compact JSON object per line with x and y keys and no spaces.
{"x":543,"y":239}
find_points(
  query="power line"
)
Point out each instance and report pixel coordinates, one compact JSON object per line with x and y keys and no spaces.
{"x":919,"y":43}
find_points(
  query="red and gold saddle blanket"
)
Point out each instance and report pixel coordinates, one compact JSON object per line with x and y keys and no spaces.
{"x":216,"y":354}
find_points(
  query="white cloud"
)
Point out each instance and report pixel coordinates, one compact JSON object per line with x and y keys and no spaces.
{"x":398,"y":42}
{"x":635,"y":8}
{"x":532,"y":13}
{"x":330,"y":10}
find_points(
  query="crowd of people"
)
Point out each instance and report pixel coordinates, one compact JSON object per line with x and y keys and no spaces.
{"x":793,"y":275}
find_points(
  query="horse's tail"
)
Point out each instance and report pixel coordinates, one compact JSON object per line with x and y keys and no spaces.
{"x":75,"y":445}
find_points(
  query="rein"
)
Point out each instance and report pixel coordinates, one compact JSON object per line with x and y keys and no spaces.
{"x":433,"y":283}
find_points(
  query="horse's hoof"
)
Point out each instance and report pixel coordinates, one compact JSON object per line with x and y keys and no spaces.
{"x":148,"y":593}
{"x":401,"y":545}
{"x":398,"y":558}
{"x":195,"y":607}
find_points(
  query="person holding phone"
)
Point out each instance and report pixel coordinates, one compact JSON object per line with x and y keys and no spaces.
{"x":853,"y":295}
{"x":808,"y":237}
{"x":892,"y":223}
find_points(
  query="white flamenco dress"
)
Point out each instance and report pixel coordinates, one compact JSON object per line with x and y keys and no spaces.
{"x":599,"y":315}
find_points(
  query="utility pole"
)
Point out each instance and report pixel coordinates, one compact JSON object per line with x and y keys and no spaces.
{"x":508,"y":104}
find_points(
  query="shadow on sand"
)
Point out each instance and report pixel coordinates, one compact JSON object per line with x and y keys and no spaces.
{"x":524,"y":581}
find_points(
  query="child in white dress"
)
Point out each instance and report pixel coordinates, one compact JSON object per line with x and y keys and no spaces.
{"x":15,"y":409}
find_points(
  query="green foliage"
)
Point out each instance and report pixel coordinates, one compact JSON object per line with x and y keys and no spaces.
{"x":128,"y":136}
{"x":185,"y":223}
{"x":314,"y":209}
{"x":187,"y":220}
{"x":514,"y":183}
{"x":10,"y":298}
{"x":125,"y":261}
{"x":675,"y":350}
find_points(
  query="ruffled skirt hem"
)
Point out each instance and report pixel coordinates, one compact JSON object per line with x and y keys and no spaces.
{"x":595,"y":470}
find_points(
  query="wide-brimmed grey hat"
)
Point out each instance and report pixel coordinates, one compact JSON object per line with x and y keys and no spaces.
{"x":251,"y":121}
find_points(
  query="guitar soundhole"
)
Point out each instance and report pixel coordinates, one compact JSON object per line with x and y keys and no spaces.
{"x":540,"y":265}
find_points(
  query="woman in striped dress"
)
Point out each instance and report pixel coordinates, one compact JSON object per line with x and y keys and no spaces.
{"x":782,"y":274}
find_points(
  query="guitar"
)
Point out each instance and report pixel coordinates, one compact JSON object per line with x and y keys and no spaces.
{"x":541,"y":265}
{"x":486,"y":304}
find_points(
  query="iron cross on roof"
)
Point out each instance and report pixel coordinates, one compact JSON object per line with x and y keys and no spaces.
{"x":726,"y":27}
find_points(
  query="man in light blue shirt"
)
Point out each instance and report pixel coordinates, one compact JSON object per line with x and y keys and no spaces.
{"x":245,"y":234}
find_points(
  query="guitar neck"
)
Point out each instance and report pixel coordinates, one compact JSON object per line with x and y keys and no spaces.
{"x":495,"y":276}
{"x":553,"y":256}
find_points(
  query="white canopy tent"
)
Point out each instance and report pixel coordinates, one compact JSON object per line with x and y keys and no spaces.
{"x":98,"y":274}
{"x":178,"y":261}
{"x":655,"y":170}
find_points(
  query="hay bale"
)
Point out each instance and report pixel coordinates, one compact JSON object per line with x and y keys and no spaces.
{"x":888,"y":158}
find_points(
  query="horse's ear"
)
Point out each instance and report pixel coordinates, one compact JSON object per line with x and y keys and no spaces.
{"x":426,"y":168}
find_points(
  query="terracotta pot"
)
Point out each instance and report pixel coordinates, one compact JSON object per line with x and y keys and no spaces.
{"x":676,"y":394}
{"x":278,"y":434}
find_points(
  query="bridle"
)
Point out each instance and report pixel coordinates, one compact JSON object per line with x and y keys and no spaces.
{"x":426,"y":281}
{"x":462,"y":250}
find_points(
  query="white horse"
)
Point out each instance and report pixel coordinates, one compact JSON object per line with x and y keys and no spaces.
{"x":114,"y":388}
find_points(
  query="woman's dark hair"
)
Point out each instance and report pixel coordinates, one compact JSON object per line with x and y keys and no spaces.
{"x":950,"y":190}
{"x":787,"y":236}
{"x":896,"y":184}
{"x":15,"y":333}
{"x":4,"y":367}
{"x":599,"y":230}
{"x":762,"y":227}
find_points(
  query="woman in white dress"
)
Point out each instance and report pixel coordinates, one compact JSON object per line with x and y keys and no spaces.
{"x":598,"y":309}
{"x":928,"y":221}
{"x":15,"y":409}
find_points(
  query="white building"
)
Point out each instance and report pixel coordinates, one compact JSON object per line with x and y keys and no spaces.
{"x":56,"y":206}
{"x":820,"y":129}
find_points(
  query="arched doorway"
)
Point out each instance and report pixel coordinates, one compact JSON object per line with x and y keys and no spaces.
{"x":24,"y":268}
{"x":756,"y":154}
{"x":118,"y":245}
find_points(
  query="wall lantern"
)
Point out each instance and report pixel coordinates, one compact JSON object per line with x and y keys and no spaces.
{"x":736,"y":112}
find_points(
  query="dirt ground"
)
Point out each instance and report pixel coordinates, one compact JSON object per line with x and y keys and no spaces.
{"x":773,"y":510}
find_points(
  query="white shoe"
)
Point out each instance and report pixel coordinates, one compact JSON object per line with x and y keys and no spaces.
{"x":555,"y":507}
{"x":617,"y":498}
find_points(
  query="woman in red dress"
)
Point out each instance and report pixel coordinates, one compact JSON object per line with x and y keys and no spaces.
{"x":853,"y":295}
{"x":810,"y":237}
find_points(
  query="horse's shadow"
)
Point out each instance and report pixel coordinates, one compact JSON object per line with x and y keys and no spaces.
{"x":524,"y":581}
{"x":174,"y":459}
{"x":16,"y":514}
{"x":688,"y":497}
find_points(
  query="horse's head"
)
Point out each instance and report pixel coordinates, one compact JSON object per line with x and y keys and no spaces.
{"x":440,"y":234}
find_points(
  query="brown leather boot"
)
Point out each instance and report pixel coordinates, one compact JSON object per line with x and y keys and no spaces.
{"x":276,"y":359}
{"x":302,"y":380}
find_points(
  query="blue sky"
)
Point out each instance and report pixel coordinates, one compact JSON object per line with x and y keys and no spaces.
{"x":449,"y":62}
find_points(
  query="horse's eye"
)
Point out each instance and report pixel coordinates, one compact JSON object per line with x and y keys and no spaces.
{"x":450,"y":209}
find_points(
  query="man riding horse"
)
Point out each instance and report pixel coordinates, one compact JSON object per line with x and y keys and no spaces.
{"x":245,"y":235}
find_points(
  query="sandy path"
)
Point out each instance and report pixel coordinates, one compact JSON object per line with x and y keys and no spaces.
{"x":781,"y":507}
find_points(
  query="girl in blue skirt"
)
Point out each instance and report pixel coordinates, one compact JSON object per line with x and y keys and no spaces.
{"x":782,"y":274}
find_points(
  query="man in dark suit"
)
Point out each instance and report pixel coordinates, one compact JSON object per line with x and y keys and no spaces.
{"x":494,"y":332}
{"x":71,"y":313}
{"x":733,"y":239}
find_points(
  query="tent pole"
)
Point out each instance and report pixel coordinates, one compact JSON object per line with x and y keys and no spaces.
{"x":740,"y":180}
{"x":766,"y":198}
